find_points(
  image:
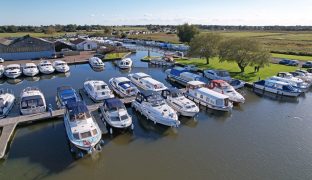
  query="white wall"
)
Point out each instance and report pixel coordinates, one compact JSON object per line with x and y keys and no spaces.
{"x":86,"y":46}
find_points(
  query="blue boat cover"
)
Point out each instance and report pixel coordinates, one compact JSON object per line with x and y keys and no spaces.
{"x":113,"y":103}
{"x":76,"y":108}
{"x":125,"y":85}
{"x":178,"y":71}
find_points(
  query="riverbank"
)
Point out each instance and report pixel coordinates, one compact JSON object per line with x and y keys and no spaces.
{"x":248,"y":76}
{"x":116,"y":56}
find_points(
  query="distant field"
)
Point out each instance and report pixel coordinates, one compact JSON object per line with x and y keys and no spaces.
{"x":298,"y":42}
{"x":19,"y":34}
{"x":249,"y":75}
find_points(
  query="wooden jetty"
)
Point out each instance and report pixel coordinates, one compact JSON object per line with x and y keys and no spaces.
{"x":9,"y":124}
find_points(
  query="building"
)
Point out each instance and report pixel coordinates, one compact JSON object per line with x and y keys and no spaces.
{"x":61,"y":44}
{"x":26,"y":47}
{"x":84,"y":44}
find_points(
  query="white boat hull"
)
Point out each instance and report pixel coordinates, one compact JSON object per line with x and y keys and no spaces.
{"x":203,"y":103}
{"x":276,"y":91}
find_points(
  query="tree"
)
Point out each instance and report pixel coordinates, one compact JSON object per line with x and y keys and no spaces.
{"x":205,"y":45}
{"x":245,"y":52}
{"x":50,"y":30}
{"x":186,"y":32}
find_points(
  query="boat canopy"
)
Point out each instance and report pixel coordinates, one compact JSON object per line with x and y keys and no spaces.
{"x":113,"y":103}
{"x":78,"y":110}
{"x":176,"y":71}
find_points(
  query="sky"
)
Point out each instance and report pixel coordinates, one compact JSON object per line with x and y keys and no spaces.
{"x":164,"y":12}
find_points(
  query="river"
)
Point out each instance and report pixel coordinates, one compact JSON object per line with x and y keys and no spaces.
{"x":265,"y":138}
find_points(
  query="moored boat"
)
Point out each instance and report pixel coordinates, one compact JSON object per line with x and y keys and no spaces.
{"x":182,"y":75}
{"x":199,"y":93}
{"x":125,"y":63}
{"x":6,"y":102}
{"x":277,"y":87}
{"x":115,"y":115}
{"x":30,"y":69}
{"x":61,"y":66}
{"x":66,"y":94}
{"x":96,"y":63}
{"x":1,"y":71}
{"x":154,"y":108}
{"x":223,"y":87}
{"x":146,"y":82}
{"x":32,"y":101}
{"x":175,"y":98}
{"x":295,"y":82}
{"x":82,"y":130}
{"x":45,"y":67}
{"x":12,"y":71}
{"x":97,"y":90}
{"x":123,"y":87}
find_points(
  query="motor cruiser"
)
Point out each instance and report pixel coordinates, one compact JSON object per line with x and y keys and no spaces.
{"x":123,"y":87}
{"x":12,"y":71}
{"x":7,"y":100}
{"x":97,"y":90}
{"x":145,"y":82}
{"x":45,"y":67}
{"x":30,"y":69}
{"x":96,"y":63}
{"x":66,"y":94}
{"x":60,"y":66}
{"x":32,"y":101}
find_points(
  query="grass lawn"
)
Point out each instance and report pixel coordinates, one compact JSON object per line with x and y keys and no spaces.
{"x":249,"y":75}
{"x":112,"y":56}
{"x":285,"y":56}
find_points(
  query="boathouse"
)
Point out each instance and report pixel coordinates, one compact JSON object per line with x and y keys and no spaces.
{"x":84,"y":44}
{"x":26,"y":47}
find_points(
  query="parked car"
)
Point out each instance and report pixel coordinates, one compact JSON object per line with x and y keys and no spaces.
{"x":1,"y":60}
{"x":307,"y":64}
{"x":293,"y":63}
{"x":309,"y":70}
{"x":284,"y":62}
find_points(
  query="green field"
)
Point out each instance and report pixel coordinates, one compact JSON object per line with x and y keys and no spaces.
{"x":249,"y":75}
{"x":113,"y":56}
{"x":297,"y":42}
{"x":295,"y":57}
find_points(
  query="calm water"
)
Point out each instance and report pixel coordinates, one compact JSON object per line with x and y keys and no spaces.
{"x":264,"y":138}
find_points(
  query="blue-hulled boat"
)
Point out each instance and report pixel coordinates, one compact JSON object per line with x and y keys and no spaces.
{"x":182,"y":75}
{"x":277,"y":87}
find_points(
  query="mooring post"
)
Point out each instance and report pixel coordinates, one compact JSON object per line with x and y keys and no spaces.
{"x":50,"y":110}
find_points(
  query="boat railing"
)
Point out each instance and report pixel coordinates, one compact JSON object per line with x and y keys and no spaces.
{"x":31,"y":89}
{"x":4,"y":91}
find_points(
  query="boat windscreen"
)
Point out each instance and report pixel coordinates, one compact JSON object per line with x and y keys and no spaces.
{"x":155,"y":100}
{"x":32,"y":101}
{"x":223,"y":73}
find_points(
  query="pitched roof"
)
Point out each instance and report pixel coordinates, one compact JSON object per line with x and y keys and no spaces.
{"x":78,"y":41}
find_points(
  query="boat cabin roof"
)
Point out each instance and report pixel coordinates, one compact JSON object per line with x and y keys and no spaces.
{"x":76,"y":108}
{"x":140,"y":75}
{"x":173,"y":90}
{"x":276,"y":82}
{"x":97,"y":83}
{"x":121,"y":79}
{"x":147,"y":93}
{"x":29,"y":64}
{"x":195,"y":83}
{"x":209,"y":93}
{"x":13,"y":66}
{"x":113,"y":103}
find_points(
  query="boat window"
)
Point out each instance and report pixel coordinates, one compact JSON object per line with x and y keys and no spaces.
{"x":223,"y":73}
{"x":94,"y":131}
{"x":76,"y":136}
{"x":155,"y":100}
{"x":219,"y":102}
{"x":124,"y":117}
{"x":79,"y":117}
{"x":85,"y":135}
{"x":29,"y":102}
{"x":114,"y":118}
{"x":201,"y":96}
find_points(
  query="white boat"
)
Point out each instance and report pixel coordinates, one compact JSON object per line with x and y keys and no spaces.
{"x":197,"y":92}
{"x":302,"y":76}
{"x":12,"y":71}
{"x":1,"y":71}
{"x":81,"y":128}
{"x":6,"y":103}
{"x":277,"y":87}
{"x":182,"y":75}
{"x":175,"y":98}
{"x":32,"y":101}
{"x":154,"y":108}
{"x":115,"y":115}
{"x":96,"y":63}
{"x":97,"y":90}
{"x":223,"y":87}
{"x":123,"y":87}
{"x":145,"y":82}
{"x":295,"y":82}
{"x":125,"y":63}
{"x":30,"y":69}
{"x":60,"y":66}
{"x":45,"y":67}
{"x":163,"y":61}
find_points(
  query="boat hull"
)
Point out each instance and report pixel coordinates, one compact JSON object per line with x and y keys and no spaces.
{"x":211,"y":106}
{"x":276,"y":91}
